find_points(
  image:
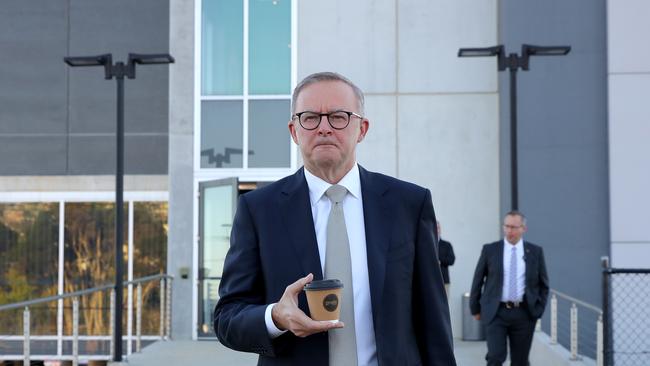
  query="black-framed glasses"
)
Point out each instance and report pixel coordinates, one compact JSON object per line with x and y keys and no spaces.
{"x":337,"y":119}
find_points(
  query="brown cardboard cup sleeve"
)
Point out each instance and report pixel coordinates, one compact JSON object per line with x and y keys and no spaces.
{"x":324,"y":299}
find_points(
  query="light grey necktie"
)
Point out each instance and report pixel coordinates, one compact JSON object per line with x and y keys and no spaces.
{"x":513,"y":275}
{"x":342,"y":342}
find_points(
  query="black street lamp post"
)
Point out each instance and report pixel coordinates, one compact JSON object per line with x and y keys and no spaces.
{"x":118,"y":71}
{"x":513,"y":62}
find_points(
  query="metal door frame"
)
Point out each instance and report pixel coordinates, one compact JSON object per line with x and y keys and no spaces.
{"x":234,"y":182}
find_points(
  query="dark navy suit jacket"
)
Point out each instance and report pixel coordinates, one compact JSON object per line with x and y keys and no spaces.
{"x":489,"y":272}
{"x":273,"y":244}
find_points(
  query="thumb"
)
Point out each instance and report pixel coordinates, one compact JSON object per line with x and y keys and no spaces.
{"x":297,"y":286}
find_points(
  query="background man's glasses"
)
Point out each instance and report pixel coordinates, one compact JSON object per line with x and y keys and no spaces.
{"x":337,"y":119}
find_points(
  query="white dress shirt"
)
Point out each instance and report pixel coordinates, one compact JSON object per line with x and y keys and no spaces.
{"x":355,"y":225}
{"x":521,"y":270}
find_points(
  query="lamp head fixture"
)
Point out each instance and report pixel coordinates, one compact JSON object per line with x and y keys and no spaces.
{"x":105,"y":60}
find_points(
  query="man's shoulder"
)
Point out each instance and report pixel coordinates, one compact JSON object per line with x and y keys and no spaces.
{"x":444,"y":242}
{"x":382,"y":180}
{"x":286,"y":184}
{"x":495,"y":245}
{"x":532,"y":246}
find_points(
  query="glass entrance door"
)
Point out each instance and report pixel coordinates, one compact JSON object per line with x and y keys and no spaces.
{"x":217,"y":204}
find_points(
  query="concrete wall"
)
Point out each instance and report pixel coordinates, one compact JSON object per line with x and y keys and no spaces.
{"x":56,"y":120}
{"x":181,"y":169}
{"x":629,"y":131}
{"x":434,"y":117}
{"x":562,"y":114}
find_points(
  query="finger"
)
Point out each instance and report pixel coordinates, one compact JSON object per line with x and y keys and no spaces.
{"x":306,"y":327}
{"x":297,"y":286}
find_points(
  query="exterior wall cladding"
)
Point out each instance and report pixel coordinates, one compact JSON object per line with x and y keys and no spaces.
{"x":563,"y":141}
{"x":56,"y":120}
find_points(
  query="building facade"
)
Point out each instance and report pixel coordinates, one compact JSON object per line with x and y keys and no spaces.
{"x":213,"y":125}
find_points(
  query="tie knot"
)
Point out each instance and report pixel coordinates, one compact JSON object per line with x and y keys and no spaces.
{"x":336,"y":193}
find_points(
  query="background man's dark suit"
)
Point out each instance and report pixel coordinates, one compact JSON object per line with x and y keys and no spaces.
{"x":273,"y":243}
{"x":447,"y":258}
{"x":486,"y":300}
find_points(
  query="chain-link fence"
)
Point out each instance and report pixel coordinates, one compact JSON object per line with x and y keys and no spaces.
{"x":626,"y":310}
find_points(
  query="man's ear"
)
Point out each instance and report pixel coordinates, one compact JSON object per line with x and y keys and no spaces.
{"x":363,"y":129}
{"x":292,"y":131}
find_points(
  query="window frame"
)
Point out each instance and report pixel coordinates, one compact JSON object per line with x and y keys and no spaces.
{"x":245,"y":173}
{"x":63,"y":197}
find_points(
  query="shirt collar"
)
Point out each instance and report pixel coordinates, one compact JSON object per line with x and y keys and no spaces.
{"x":317,"y":186}
{"x":518,"y":245}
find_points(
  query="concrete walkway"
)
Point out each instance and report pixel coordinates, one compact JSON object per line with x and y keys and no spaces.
{"x":189,"y":353}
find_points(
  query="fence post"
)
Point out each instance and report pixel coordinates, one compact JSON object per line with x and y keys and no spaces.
{"x":112,"y":323}
{"x":553,"y":319}
{"x":75,"y":331}
{"x":138,"y":318}
{"x":574,"y":332}
{"x":162,"y":308}
{"x":26,"y":328}
{"x":599,"y":340}
{"x":168,"y":317}
{"x":607,"y":340}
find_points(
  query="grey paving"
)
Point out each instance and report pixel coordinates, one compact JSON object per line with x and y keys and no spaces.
{"x":213,"y":353}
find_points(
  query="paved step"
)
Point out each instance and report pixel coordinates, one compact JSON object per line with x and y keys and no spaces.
{"x":213,"y":353}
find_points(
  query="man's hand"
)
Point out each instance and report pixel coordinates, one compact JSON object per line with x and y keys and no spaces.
{"x":477,"y":316}
{"x":287,"y":316}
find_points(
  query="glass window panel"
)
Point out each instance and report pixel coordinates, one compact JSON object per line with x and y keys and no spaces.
{"x":29,"y":241}
{"x":221,"y":134}
{"x":269,"y":139}
{"x":269,"y":46}
{"x":89,"y":261}
{"x":149,"y":238}
{"x":149,"y":257}
{"x":222,"y":55}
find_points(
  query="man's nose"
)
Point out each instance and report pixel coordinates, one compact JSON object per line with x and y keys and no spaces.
{"x":324,"y":127}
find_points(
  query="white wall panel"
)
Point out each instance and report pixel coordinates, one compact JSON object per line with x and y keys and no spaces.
{"x":430,"y":34}
{"x":627,"y":35}
{"x":629,"y":154}
{"x":449,"y":144}
{"x":354,"y":38}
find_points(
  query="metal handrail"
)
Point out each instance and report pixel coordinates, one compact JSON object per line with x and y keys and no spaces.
{"x":577,"y":301}
{"x":165,"y":314}
{"x":574,"y":324}
{"x":17,"y":305}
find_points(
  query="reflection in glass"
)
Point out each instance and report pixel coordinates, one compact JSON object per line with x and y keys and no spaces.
{"x":269,"y":46}
{"x":222,"y":48}
{"x":149,"y":258}
{"x":217,"y":217}
{"x":268,"y":135}
{"x":221,"y":134}
{"x":29,"y":240}
{"x":89,"y":259}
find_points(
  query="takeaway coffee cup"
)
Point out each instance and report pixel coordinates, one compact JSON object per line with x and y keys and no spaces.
{"x":324,"y":299}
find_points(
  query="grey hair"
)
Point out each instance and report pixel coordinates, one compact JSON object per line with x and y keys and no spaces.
{"x":326,"y":76}
{"x":518,"y":213}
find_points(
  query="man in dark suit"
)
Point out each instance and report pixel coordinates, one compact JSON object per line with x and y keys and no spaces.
{"x":395,"y":312}
{"x":446,"y":256}
{"x":509,"y":292}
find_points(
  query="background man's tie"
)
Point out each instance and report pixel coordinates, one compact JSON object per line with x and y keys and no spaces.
{"x":513,"y":275}
{"x":343,"y":345}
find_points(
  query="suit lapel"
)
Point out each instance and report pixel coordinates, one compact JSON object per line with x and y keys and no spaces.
{"x":376,"y":215}
{"x":295,"y":208}
{"x":528,"y":260}
{"x":499,"y":262}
